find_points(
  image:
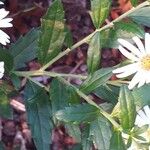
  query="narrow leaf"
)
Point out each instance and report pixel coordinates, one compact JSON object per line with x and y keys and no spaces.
{"x":117,"y":142}
{"x":108,"y":92}
{"x":141,"y":16}
{"x":139,"y":130}
{"x":127,"y":107}
{"x":134,"y":2}
{"x":52,"y":34}
{"x":101,"y":133}
{"x":68,"y":42}
{"x":142,"y":95}
{"x":16,"y":81}
{"x":58,"y":96}
{"x":96,"y":80}
{"x":24,"y":49}
{"x":74,"y":131}
{"x":5,"y":109}
{"x":99,"y":11}
{"x":7,"y":59}
{"x":93,"y":54}
{"x":39,"y":115}
{"x":124,"y":30}
{"x":61,"y":95}
{"x":86,"y":139}
{"x":78,"y":113}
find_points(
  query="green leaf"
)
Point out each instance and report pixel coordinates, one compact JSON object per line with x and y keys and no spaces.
{"x":74,"y":131}
{"x":39,"y":115}
{"x":100,"y":131}
{"x":15,"y":80}
{"x":8,"y":60}
{"x":141,"y":16}
{"x":5,"y":109}
{"x":127,"y":107}
{"x":99,"y":11}
{"x":68,"y":42}
{"x":58,"y":96}
{"x":86,"y":139}
{"x":134,"y":2}
{"x":77,"y":147}
{"x":52,"y":34}
{"x":108,"y":93}
{"x":78,"y":113}
{"x":117,"y":142}
{"x":96,"y":80}
{"x":93,"y":54}
{"x":61,"y":96}
{"x":130,"y":27}
{"x":24,"y":49}
{"x":142,"y":95}
{"x":125,"y":30}
{"x":139,"y":130}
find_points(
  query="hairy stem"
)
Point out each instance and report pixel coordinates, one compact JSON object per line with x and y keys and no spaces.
{"x":88,"y":100}
{"x":47,"y":73}
{"x":86,"y":39}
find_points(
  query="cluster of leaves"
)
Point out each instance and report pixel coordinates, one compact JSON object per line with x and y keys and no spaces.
{"x":63,"y":103}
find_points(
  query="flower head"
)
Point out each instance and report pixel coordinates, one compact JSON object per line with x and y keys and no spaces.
{"x":140,"y":57}
{"x":142,"y":120}
{"x":4,"y":23}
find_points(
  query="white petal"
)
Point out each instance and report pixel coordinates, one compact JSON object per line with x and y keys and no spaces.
{"x":142,"y":79}
{"x":126,"y":73}
{"x":147,"y":43}
{"x":139,"y":121}
{"x":127,"y":54}
{"x":3,"y":13}
{"x":148,"y":77}
{"x":1,"y":69}
{"x":147,"y":112}
{"x":142,"y":114}
{"x":1,"y":64}
{"x":130,"y":47}
{"x":134,"y":80}
{"x":139,"y":44}
{"x":124,"y":68}
{"x":4,"y":23}
{"x":142,"y":82}
{"x":4,"y":38}
{"x":1,"y":3}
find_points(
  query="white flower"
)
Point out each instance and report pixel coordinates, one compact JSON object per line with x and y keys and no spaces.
{"x":140,"y":57}
{"x":1,"y":69}
{"x":4,"y":23}
{"x":142,"y":118}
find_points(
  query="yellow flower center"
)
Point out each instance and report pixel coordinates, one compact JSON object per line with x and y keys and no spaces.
{"x":145,"y":62}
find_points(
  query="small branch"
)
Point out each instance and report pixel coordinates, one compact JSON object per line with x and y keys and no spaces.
{"x":88,"y":100}
{"x":117,"y":82}
{"x":75,"y":68}
{"x":26,"y":10}
{"x":38,"y":83}
{"x":86,"y":39}
{"x":47,"y":73}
